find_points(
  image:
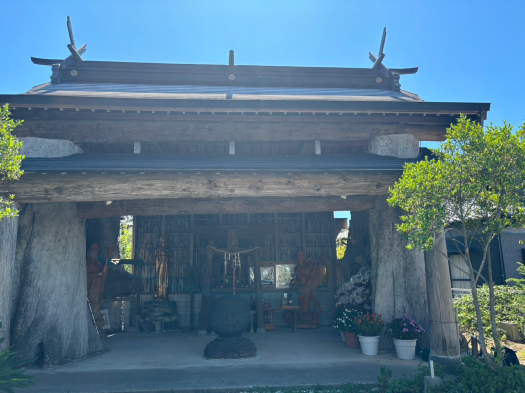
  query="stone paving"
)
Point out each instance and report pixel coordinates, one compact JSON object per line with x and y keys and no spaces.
{"x":173,"y":361}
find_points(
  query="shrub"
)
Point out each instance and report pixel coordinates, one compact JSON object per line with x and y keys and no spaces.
{"x":509,"y":306}
{"x":405,"y":384}
{"x":403,"y":328}
{"x":10,"y":376}
{"x":477,"y":376}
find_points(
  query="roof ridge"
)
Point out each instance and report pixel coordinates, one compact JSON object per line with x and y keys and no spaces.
{"x":413,"y":95}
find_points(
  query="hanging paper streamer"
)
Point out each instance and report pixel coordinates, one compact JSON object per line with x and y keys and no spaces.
{"x":235,"y":260}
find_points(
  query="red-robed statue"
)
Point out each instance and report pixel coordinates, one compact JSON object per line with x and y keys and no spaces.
{"x":96,"y":279}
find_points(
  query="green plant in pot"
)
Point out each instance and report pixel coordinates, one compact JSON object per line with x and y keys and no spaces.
{"x":345,"y":322}
{"x":369,"y":328}
{"x":405,"y":333}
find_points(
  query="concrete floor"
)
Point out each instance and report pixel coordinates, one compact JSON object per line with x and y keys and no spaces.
{"x":173,"y":361}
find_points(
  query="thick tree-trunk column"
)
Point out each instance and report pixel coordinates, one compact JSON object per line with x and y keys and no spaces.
{"x":444,"y":334}
{"x":51,"y":318}
{"x":8,"y":230}
{"x":105,"y":232}
{"x":397,"y":274}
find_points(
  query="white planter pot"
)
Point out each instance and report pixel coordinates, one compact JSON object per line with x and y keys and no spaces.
{"x":369,"y":345}
{"x":405,"y":349}
{"x":342,"y":337}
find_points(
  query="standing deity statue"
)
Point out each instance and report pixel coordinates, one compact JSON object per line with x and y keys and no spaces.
{"x":162,"y":258}
{"x":96,"y":279}
{"x":308,"y":276}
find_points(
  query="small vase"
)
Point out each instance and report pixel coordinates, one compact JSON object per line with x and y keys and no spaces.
{"x":369,"y":345}
{"x":405,"y":349}
{"x":342,"y":336}
{"x":351,"y":340}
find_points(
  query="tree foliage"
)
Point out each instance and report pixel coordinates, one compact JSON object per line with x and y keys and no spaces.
{"x":474,"y":189}
{"x":10,"y":159}
{"x":509,"y":306}
{"x":126,"y":239}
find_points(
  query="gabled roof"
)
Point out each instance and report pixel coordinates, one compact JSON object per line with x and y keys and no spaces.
{"x":188,"y":92}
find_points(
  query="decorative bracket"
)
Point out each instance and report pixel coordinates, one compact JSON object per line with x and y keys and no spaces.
{"x":388,"y":72}
{"x":76,"y":54}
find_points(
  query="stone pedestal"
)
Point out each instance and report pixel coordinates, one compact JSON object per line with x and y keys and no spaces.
{"x":230,"y":348}
{"x":429,"y":383}
{"x":229,"y":317}
{"x":158,"y":316}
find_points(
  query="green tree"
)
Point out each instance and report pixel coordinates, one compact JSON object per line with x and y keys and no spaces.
{"x":10,"y":159}
{"x":126,"y":239}
{"x":477,"y":185}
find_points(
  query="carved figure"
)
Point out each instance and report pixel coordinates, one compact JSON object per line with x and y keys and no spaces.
{"x":162,"y":258}
{"x":308,"y":276}
{"x":96,"y":279}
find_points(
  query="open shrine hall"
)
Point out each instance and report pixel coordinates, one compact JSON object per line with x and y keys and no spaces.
{"x":229,"y":176}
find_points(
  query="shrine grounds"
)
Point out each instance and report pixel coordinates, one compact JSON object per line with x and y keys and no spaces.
{"x":173,"y":362}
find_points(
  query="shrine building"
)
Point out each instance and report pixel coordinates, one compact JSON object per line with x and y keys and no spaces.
{"x":240,"y":168}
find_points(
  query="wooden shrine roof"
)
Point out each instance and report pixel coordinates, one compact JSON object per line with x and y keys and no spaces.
{"x":142,"y":163}
{"x":210,"y":92}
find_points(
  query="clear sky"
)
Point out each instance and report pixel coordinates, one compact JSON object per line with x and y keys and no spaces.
{"x":466,"y":50}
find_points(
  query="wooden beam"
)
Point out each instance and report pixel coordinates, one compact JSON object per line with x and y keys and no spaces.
{"x":38,"y":188}
{"x":157,"y":207}
{"x":118,"y":129}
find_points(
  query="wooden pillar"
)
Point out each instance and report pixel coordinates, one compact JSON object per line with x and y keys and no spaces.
{"x":444,"y":334}
{"x":206,"y":292}
{"x":258,"y":291}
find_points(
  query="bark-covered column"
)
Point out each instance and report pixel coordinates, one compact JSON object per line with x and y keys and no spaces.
{"x":444,"y":334}
{"x":8,"y":230}
{"x":397,"y":274}
{"x":51,"y":318}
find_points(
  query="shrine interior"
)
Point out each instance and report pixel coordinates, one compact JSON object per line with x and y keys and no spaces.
{"x":280,"y":236}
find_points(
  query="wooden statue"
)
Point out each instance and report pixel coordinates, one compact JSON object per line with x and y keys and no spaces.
{"x":96,"y":279}
{"x":162,"y":258}
{"x":308,"y":276}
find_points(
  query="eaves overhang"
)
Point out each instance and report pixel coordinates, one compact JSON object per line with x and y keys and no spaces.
{"x":267,"y":106}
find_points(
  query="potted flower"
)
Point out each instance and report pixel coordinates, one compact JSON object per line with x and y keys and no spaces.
{"x":345,"y":322}
{"x":338,"y":314}
{"x":369,"y":327}
{"x":405,"y":332}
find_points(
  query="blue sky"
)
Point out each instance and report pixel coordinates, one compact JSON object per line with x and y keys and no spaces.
{"x":466,"y":51}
